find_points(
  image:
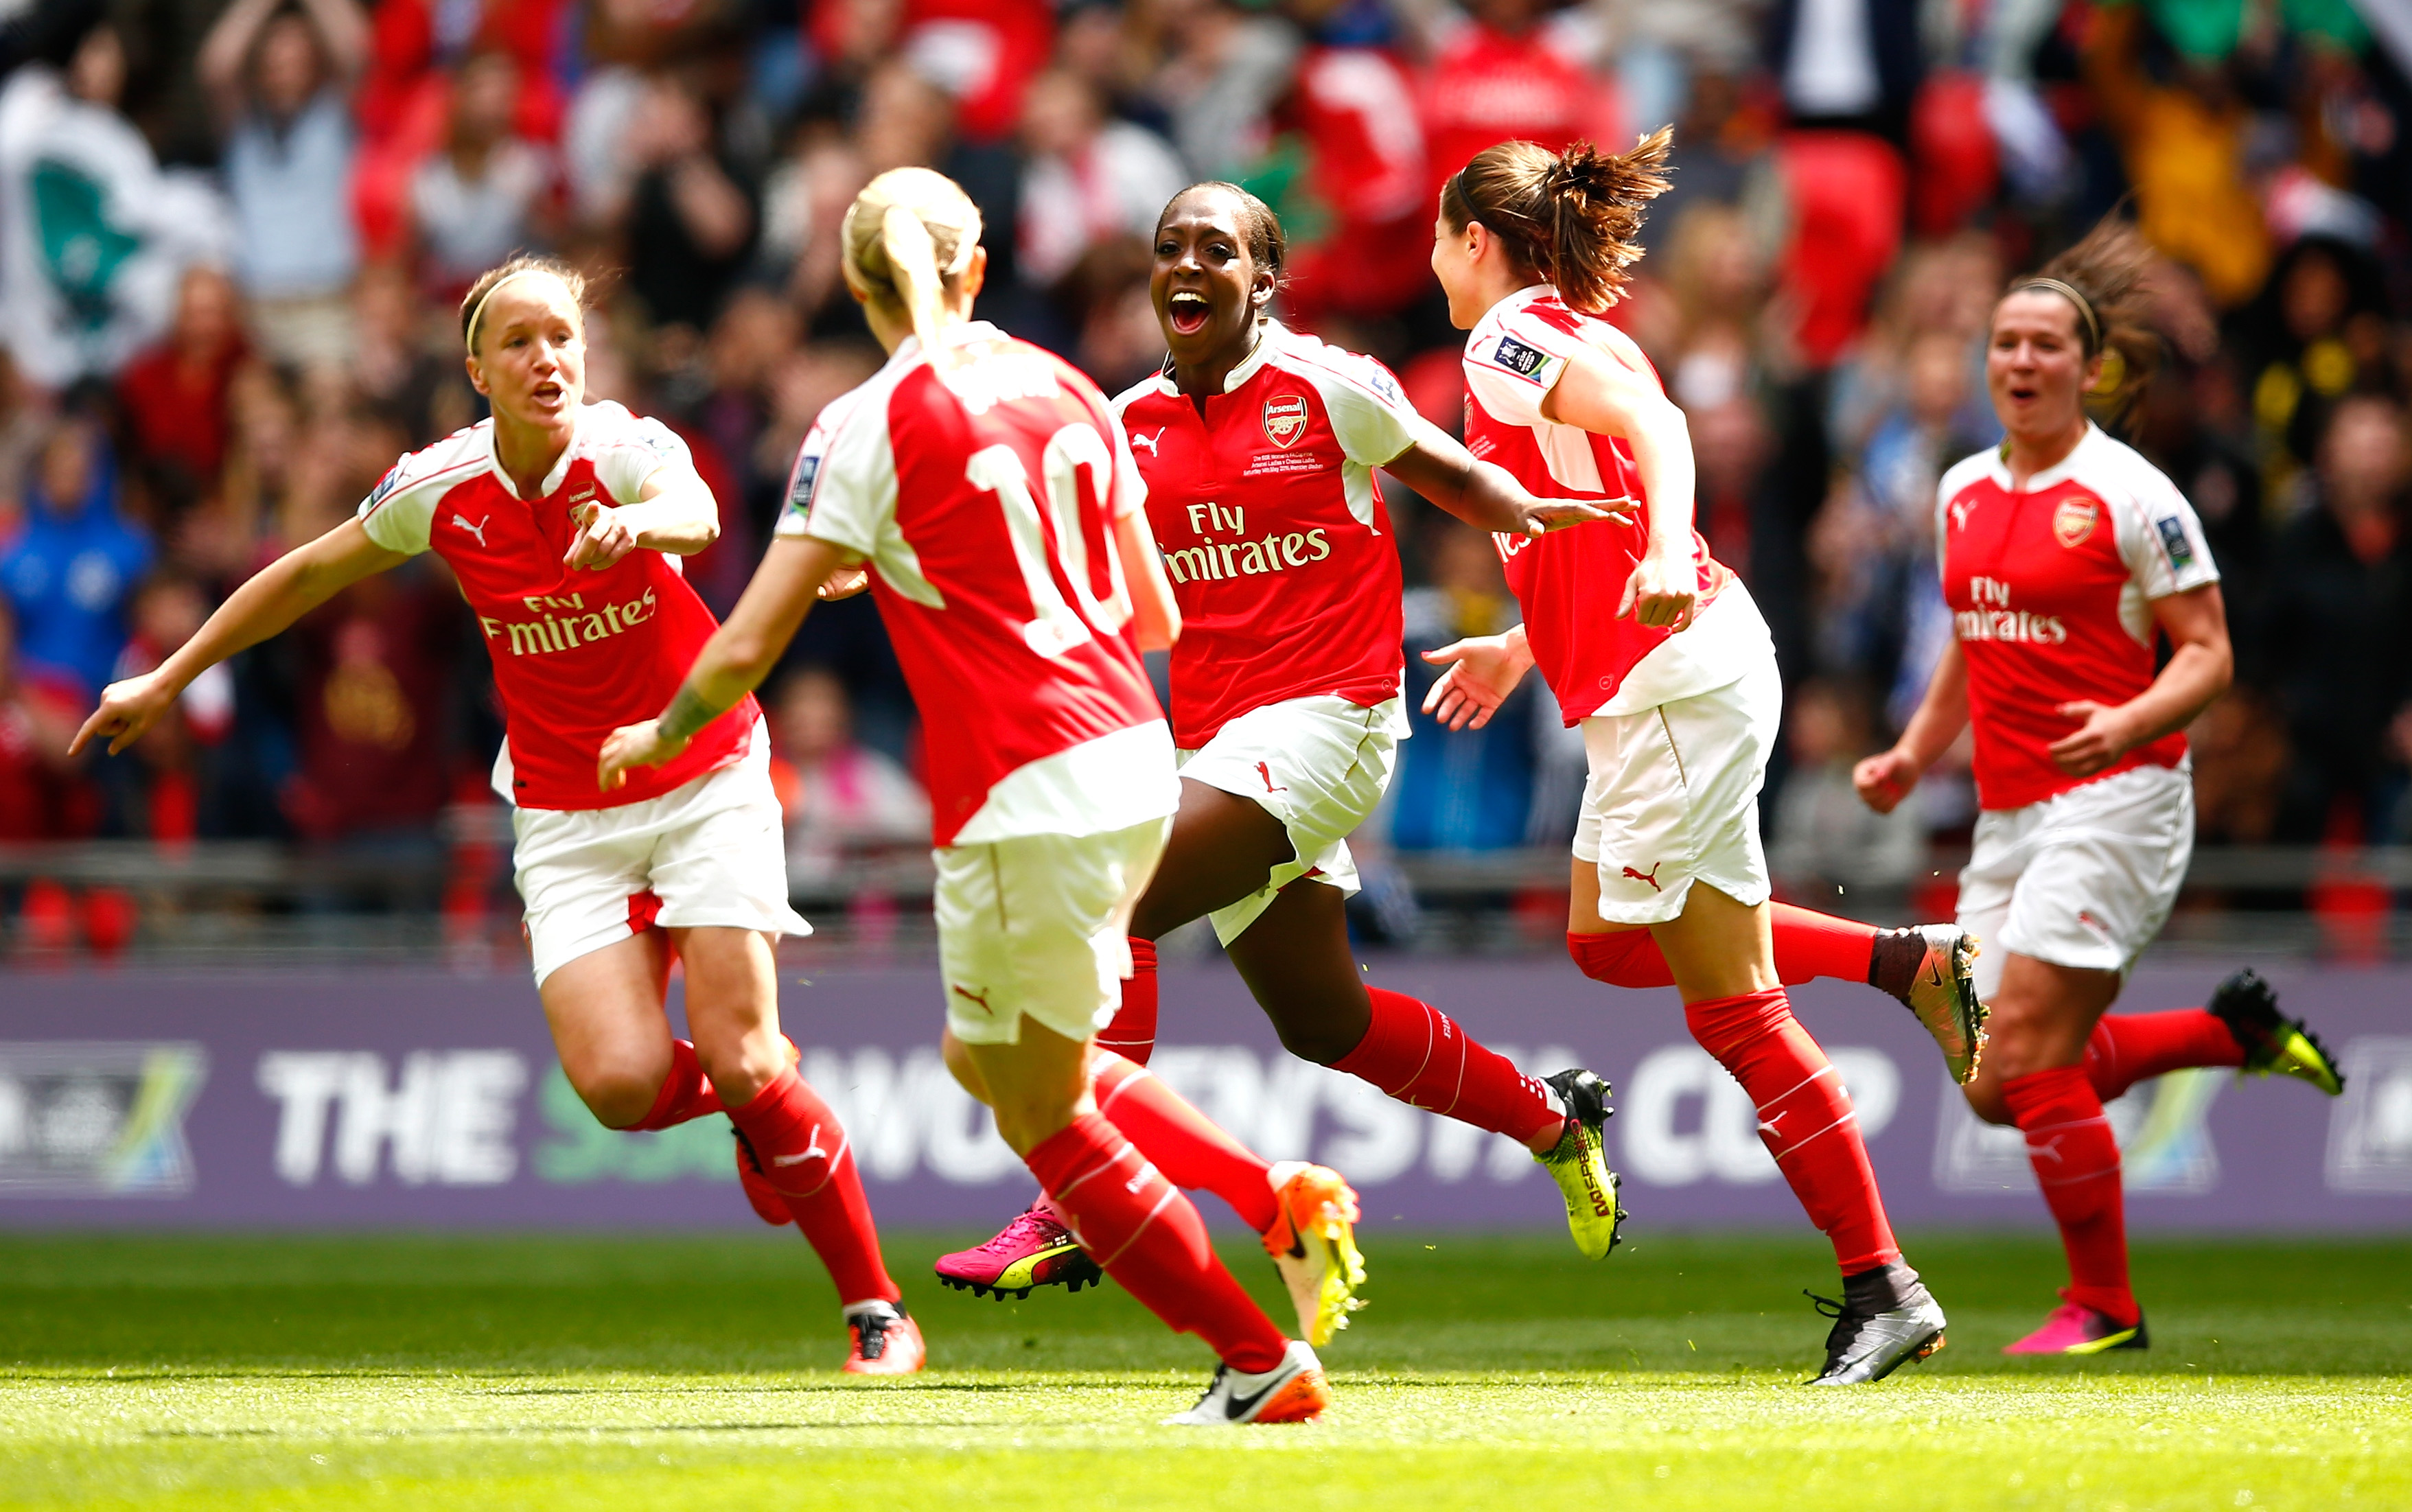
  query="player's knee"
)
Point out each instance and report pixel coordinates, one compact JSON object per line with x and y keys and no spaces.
{"x":1986,"y":1101}
{"x":619,"y":1093}
{"x":741,"y":1064}
{"x":1314,"y":1036}
{"x":1623,"y":958}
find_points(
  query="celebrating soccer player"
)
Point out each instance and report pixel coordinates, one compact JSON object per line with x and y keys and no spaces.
{"x":1258,"y":447}
{"x":563,"y":521}
{"x":987,"y":487}
{"x":2065,"y":557}
{"x":1659,"y":653}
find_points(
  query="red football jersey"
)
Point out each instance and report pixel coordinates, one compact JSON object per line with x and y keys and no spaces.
{"x":984,"y":498}
{"x":1571,"y":581}
{"x":576,"y":654}
{"x":1272,"y":529}
{"x":2051,"y":589}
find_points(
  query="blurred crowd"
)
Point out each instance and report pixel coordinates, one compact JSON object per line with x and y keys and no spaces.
{"x":232,"y":236}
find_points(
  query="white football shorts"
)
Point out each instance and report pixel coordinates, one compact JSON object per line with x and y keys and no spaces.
{"x":711,"y":852}
{"x":1673,"y":797}
{"x":1038,"y":926}
{"x":2083,"y":879}
{"x":1320,"y":766}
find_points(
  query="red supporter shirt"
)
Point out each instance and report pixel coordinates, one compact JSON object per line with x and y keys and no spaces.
{"x":1272,"y":529}
{"x":577,"y":655}
{"x":1571,"y":581}
{"x":2051,"y":589}
{"x":984,"y":499}
{"x":1487,"y":87}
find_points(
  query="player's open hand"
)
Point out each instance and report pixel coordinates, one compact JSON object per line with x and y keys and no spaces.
{"x":603,"y":538}
{"x":633,"y":745}
{"x":1885,"y":779}
{"x":126,"y":710}
{"x":843,"y":583}
{"x":1663,"y":593}
{"x":1546,"y":515}
{"x":2103,"y":736}
{"x":1482,"y":671}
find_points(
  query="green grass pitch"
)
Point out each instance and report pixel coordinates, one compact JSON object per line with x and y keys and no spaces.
{"x":1489,"y":1372}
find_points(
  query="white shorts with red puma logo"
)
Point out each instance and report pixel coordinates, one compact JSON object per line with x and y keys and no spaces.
{"x":1673,"y":797}
{"x":1319,"y":765}
{"x":1038,"y":926}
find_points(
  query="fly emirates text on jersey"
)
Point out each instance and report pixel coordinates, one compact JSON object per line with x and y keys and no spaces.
{"x":1216,"y":560}
{"x":1992,"y":619}
{"x":567,"y":622}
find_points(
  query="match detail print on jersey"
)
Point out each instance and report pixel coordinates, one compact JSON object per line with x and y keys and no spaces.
{"x":2051,"y":591}
{"x":984,"y":499}
{"x":575,"y":654}
{"x":1272,"y":529}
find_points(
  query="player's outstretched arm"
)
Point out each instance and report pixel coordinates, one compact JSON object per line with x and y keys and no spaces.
{"x":2202,"y":665}
{"x":1885,"y":779}
{"x":278,"y":595}
{"x":1486,"y":496}
{"x":1482,"y":671}
{"x":1155,"y":615}
{"x":1607,"y":398}
{"x":734,"y":661}
{"x":674,"y":512}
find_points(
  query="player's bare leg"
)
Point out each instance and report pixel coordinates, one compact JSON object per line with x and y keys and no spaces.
{"x":1139,"y":1227}
{"x":611,"y":1031}
{"x":1722,"y":955}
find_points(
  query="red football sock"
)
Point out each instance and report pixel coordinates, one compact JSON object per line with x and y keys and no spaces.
{"x":1192,"y":1149}
{"x":1419,"y":1055}
{"x":2077,"y":1162}
{"x":805,"y":1156}
{"x":1148,"y":1236}
{"x":2129,"y":1047}
{"x":686,"y":1092}
{"x":1805,"y":1119}
{"x":1132,"y":1034}
{"x":1808,"y":944}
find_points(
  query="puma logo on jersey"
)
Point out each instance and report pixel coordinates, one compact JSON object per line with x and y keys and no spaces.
{"x":970,"y":996}
{"x":478,"y":530}
{"x":1265,"y":771}
{"x":1150,"y":442}
{"x":1649,"y":877}
{"x":1961,"y":511}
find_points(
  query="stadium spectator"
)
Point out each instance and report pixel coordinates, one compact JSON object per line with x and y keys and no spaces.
{"x":158,"y":796}
{"x":1826,"y":848}
{"x":2336,"y":647}
{"x":1086,"y":179}
{"x":1509,"y":68}
{"x":693,"y":220}
{"x":489,"y":192}
{"x":68,"y":578}
{"x":279,"y":81}
{"x":843,"y":799}
{"x":43,"y":794}
{"x":174,"y":396}
{"x":1468,"y":790}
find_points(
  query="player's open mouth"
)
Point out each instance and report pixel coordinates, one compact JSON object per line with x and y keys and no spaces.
{"x":545,"y":393}
{"x":1187,"y":311}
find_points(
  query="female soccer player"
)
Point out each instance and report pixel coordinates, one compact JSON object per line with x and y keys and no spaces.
{"x":563,"y":522}
{"x":1659,"y":653}
{"x":2065,"y":556}
{"x":989,"y":490}
{"x":1257,"y":445}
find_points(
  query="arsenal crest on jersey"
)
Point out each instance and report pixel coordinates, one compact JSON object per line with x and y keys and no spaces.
{"x":1285,"y":419}
{"x":2073,"y":520}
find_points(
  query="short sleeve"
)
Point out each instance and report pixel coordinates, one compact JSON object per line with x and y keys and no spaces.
{"x":2162,"y":541}
{"x":1511,"y":367}
{"x":634,"y":449}
{"x":1369,"y":411}
{"x":399,"y":511}
{"x":848,"y":486}
{"x":1131,"y":489}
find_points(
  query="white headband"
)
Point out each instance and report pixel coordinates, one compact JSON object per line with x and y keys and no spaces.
{"x":478,"y":311}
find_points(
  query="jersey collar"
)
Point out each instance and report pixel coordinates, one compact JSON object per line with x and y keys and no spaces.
{"x":1270,"y":341}
{"x":2053,"y":477}
{"x":554,"y":479}
{"x":910,"y":348}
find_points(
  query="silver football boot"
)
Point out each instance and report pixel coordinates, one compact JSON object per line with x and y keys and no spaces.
{"x":1932,"y":969}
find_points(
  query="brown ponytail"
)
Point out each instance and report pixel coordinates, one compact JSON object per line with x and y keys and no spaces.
{"x":1568,"y":218}
{"x":2109,"y":271}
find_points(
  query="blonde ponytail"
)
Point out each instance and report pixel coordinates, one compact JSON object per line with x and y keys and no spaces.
{"x":909,"y":238}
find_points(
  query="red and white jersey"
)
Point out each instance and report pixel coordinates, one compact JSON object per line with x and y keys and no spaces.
{"x":984,"y":498}
{"x":1272,"y":528}
{"x":2051,"y":589}
{"x":1571,"y":581}
{"x":576,"y":654}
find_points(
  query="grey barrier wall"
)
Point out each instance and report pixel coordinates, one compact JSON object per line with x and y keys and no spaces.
{"x":427,"y":1100}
